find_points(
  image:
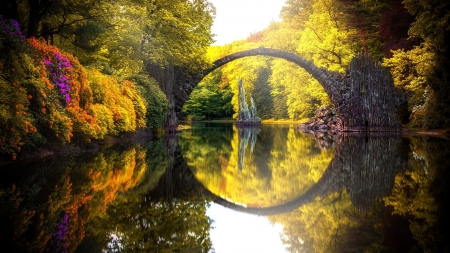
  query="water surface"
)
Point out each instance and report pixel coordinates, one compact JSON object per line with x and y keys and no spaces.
{"x":218,"y":188}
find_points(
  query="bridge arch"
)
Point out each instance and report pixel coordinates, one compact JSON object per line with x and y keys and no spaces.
{"x":364,"y":99}
{"x":321,"y":74}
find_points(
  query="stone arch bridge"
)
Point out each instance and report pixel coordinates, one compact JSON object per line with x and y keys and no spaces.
{"x":364,"y":167}
{"x":364,"y":98}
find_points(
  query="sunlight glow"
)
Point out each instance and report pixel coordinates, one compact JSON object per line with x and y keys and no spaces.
{"x":239,"y":232}
{"x":237,"y":19}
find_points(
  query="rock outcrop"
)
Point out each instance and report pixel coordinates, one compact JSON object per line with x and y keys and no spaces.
{"x":325,"y":120}
{"x":246,"y":116}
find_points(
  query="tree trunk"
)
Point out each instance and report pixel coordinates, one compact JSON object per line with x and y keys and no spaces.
{"x":33,"y":18}
{"x":166,"y":80}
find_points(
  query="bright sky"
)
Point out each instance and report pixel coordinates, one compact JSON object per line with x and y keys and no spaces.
{"x":235,"y":232}
{"x":237,"y":19}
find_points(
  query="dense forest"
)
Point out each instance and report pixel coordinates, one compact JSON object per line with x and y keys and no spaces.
{"x":76,"y":71}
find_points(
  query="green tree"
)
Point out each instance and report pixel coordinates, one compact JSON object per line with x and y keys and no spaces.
{"x":410,"y":70}
{"x":261,"y":94}
{"x":155,"y":100}
{"x":324,"y":39}
{"x":209,"y":100}
{"x":122,"y":34}
{"x":178,"y":32}
{"x":432,"y":25}
{"x":303,"y":94}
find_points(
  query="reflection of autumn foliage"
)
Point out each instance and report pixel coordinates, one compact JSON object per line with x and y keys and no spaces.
{"x":315,"y":227}
{"x":331,"y":224}
{"x":293,"y":165}
{"x":69,"y":195}
{"x":117,"y":174}
{"x":413,"y":192}
{"x":407,"y":220}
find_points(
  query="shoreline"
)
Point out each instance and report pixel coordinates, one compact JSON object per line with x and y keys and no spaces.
{"x":433,"y":133}
{"x":52,"y":149}
{"x":55,"y":148}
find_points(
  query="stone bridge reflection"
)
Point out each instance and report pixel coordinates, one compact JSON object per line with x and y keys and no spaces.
{"x":365,"y":166}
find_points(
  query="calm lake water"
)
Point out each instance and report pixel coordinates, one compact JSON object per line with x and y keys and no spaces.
{"x":218,"y":188}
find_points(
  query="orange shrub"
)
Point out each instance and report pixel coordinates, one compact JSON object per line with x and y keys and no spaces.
{"x":63,"y":72}
{"x":17,"y":125}
{"x":121,"y":100}
{"x":130,"y":91}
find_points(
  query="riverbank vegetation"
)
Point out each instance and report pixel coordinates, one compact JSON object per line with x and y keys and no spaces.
{"x":48,"y":96}
{"x":75,"y":71}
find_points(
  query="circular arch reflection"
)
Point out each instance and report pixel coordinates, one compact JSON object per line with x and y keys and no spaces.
{"x":364,"y":167}
{"x":254,"y":167}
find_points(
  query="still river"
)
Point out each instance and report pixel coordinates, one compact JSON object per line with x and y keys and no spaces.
{"x":218,"y":188}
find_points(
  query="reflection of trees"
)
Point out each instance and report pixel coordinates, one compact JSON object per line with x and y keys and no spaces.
{"x":315,"y":226}
{"x":284,"y":164}
{"x":168,"y":217}
{"x":420,"y":193}
{"x":207,"y":147}
{"x":46,"y":204}
{"x":135,"y":224}
{"x":358,"y":219}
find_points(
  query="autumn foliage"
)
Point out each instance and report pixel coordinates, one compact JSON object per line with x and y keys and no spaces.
{"x":46,"y":95}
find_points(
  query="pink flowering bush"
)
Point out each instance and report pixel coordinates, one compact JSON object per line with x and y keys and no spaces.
{"x":11,"y":27}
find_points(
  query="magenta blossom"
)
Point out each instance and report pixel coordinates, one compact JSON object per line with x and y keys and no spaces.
{"x":12,"y":27}
{"x":58,"y":69}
